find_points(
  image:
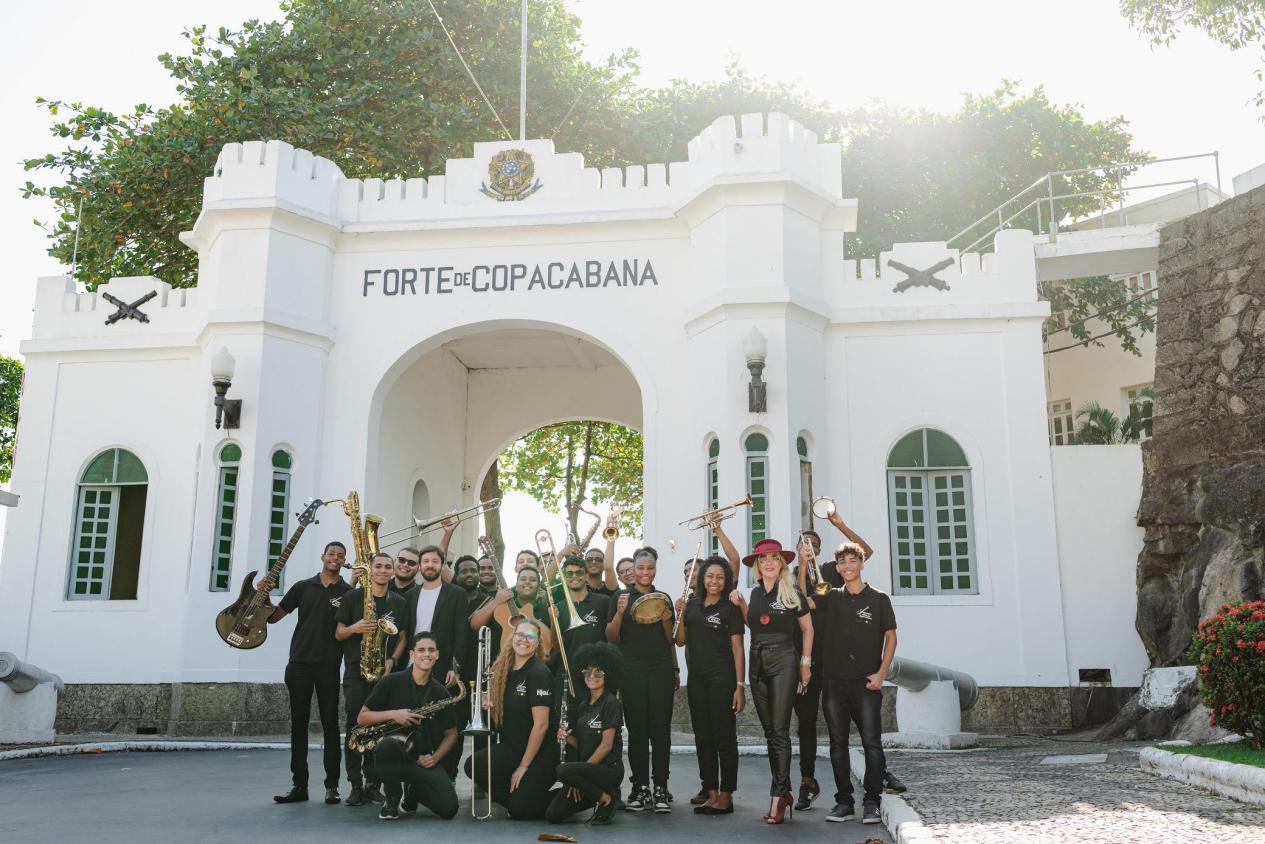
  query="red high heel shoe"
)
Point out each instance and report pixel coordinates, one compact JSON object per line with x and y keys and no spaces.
{"x":784,"y":810}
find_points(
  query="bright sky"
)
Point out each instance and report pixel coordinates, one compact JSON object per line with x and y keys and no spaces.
{"x":1190,"y":98}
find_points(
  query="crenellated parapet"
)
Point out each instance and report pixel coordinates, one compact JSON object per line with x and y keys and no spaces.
{"x":62,"y":309}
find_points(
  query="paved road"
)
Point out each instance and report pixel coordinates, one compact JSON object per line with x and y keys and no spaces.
{"x":226,"y":796}
{"x":1005,"y":794}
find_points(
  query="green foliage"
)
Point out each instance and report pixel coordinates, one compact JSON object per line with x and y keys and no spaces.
{"x":1234,"y":23}
{"x":1096,"y":425}
{"x":10,"y":393}
{"x":1137,"y":424}
{"x":1088,"y":305}
{"x":1240,"y":753}
{"x":1229,"y":648}
{"x":566,"y":464}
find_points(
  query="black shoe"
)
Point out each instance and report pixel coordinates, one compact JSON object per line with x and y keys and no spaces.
{"x":294,"y":795}
{"x":842,"y":812}
{"x":408,"y":805}
{"x":331,"y":797}
{"x":871,"y":814}
{"x":638,"y":799}
{"x":702,"y":797}
{"x":662,"y":805}
{"x":390,"y":811}
{"x":808,"y":792}
{"x":356,"y":797}
{"x":712,"y":810}
{"x":892,"y":785}
{"x":602,"y":814}
{"x":373,"y":794}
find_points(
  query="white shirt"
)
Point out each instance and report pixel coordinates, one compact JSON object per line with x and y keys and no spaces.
{"x":426,"y":600}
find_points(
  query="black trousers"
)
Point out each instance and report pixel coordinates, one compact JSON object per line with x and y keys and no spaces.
{"x":592,"y":781}
{"x":711,"y":700}
{"x":303,"y":678}
{"x":646,"y":693}
{"x":431,"y":787}
{"x":850,"y":701}
{"x":774,"y":676}
{"x":806,"y":708}
{"x":529,"y":801}
{"x":355,"y":690}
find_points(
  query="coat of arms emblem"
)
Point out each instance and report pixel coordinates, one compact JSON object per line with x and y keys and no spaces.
{"x":511,"y":176}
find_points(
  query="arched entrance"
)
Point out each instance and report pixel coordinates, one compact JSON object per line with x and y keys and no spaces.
{"x":452,"y":405}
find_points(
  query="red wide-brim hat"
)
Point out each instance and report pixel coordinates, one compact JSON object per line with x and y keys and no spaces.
{"x":768,"y":546}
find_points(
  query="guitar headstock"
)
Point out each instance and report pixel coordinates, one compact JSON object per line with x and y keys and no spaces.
{"x":486,"y":549}
{"x":309,"y":511}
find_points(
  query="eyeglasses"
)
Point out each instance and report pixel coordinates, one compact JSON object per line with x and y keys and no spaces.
{"x":529,"y":637}
{"x":595,"y":673}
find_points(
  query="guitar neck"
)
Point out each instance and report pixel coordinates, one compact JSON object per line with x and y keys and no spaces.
{"x":275,"y":572}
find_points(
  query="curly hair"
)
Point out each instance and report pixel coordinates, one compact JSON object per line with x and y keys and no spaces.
{"x":700,"y":591}
{"x":601,"y":655}
{"x":504,"y":663}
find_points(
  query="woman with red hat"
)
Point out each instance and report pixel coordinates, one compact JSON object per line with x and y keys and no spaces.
{"x":777,"y":671}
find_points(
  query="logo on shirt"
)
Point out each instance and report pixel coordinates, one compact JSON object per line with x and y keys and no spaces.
{"x":595,"y":723}
{"x":590,"y":617}
{"x":777,"y":605}
{"x":521,"y":689}
{"x":335,"y":602}
{"x":864,"y":613}
{"x":542,"y":693}
{"x":714,"y":618}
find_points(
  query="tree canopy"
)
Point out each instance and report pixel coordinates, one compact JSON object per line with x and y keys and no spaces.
{"x":10,"y":391}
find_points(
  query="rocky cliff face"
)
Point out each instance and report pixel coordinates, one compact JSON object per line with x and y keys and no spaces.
{"x":1203,"y":493}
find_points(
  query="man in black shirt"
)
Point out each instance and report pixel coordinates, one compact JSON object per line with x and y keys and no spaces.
{"x":411,"y":762}
{"x":807,"y":703}
{"x":488,"y":582}
{"x":353,"y":627}
{"x":649,"y":667}
{"x":405,"y":570}
{"x":593,"y":608}
{"x":601,"y":570}
{"x":313,"y":667}
{"x":860,"y":642}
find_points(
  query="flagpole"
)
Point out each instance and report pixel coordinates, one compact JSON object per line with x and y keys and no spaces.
{"x":522,"y":79}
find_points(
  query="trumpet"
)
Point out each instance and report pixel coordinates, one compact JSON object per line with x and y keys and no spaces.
{"x":421,"y":526}
{"x":611,"y":532}
{"x":812,"y":575}
{"x":478,"y":726}
{"x":711,"y":517}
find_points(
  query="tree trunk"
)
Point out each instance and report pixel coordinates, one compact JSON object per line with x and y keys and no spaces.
{"x":490,"y":489}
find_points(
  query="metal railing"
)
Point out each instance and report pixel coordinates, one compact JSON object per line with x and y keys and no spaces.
{"x":1045,"y":204}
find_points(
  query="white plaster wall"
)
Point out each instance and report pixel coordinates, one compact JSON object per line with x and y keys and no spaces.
{"x":1091,"y":373}
{"x":1096,"y":491}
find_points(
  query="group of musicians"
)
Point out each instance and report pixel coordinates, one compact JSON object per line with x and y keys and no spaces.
{"x":553,"y":746}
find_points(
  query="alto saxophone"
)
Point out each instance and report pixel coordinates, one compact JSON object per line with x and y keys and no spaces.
{"x":363,"y":739}
{"x":364,"y":540}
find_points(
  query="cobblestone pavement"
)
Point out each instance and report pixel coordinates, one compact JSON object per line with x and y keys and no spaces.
{"x":1004,"y":794}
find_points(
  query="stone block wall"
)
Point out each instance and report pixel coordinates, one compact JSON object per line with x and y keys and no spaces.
{"x":1203,"y":495}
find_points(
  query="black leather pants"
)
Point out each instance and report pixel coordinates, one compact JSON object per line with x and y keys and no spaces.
{"x":774,"y":676}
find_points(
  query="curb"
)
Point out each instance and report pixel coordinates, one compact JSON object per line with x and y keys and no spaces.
{"x":901,"y":820}
{"x":1245,"y":783}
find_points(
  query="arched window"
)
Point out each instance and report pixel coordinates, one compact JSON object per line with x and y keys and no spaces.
{"x":420,"y":503}
{"x":109,"y":526}
{"x":929,"y":513}
{"x":711,"y":489}
{"x":279,"y":509}
{"x":805,"y":484}
{"x":230,"y":463}
{"x":756,"y":446}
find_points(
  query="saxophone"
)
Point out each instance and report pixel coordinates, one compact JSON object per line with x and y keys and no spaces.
{"x":364,"y":540}
{"x":363,"y":739}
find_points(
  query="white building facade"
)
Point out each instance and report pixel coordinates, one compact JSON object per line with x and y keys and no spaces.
{"x":394,"y":337}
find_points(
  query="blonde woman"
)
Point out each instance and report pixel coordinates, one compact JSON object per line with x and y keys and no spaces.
{"x":777,"y":671}
{"x":520,"y":697}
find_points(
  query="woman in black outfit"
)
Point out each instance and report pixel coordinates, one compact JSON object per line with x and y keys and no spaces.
{"x":711,"y":631}
{"x":520,"y":695}
{"x":775,"y":610}
{"x":597,"y":718}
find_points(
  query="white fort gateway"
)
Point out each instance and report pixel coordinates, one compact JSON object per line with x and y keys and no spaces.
{"x":393,"y":338}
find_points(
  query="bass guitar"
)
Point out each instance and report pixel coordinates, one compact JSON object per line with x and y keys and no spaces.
{"x":245,"y":624}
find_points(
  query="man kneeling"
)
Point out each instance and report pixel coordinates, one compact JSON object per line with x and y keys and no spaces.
{"x":408,"y":761}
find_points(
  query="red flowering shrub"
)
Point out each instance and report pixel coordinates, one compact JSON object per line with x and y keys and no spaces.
{"x":1229,"y":648}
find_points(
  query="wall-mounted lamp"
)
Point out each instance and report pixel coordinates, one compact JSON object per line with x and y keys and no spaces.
{"x":756,"y":347}
{"x":227,"y":411}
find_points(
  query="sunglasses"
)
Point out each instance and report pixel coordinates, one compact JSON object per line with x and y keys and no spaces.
{"x":595,"y":673}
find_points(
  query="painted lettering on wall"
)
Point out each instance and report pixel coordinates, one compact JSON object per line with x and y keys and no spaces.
{"x":508,"y":278}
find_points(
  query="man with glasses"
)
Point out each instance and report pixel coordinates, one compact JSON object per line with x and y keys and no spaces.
{"x":406,"y":562}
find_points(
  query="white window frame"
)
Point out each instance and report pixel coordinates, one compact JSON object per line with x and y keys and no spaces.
{"x":107,"y":564}
{"x":1131,"y":395}
{"x":759,"y":503}
{"x":1058,"y":414}
{"x":222,"y":562}
{"x":276,"y":546}
{"x":711,"y":493}
{"x":1143,"y":285}
{"x":931,"y":527}
{"x":805,"y":494}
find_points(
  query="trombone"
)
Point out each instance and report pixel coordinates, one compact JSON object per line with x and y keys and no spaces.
{"x":711,"y":517}
{"x":421,"y":526}
{"x":812,"y":575}
{"x":544,"y":542}
{"x":478,"y":727}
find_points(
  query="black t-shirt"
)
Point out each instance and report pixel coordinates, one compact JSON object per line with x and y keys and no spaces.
{"x":398,"y":691}
{"x":595,"y":612}
{"x":646,"y":644}
{"x":529,"y":686}
{"x":604,"y":590}
{"x":391,"y":605}
{"x":313,"y":640}
{"x":708,"y":632}
{"x":767,"y":615}
{"x":591,"y":718}
{"x":853,"y":632}
{"x":472,"y":646}
{"x":396,"y":589}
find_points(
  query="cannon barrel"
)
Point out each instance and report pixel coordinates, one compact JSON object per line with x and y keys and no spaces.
{"x":22,"y":676}
{"x":913,"y":675}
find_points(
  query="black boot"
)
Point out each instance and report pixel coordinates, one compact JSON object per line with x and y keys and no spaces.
{"x":294,"y":795}
{"x":356,"y":797}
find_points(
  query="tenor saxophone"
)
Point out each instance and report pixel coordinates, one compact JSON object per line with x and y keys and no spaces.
{"x":364,"y":540}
